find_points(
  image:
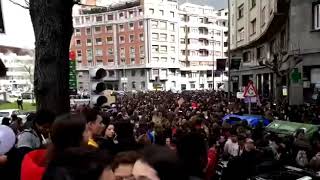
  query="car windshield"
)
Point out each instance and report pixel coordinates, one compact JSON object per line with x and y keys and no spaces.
{"x":4,"y":114}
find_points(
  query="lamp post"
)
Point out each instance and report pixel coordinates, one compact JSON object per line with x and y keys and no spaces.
{"x":229,"y":53}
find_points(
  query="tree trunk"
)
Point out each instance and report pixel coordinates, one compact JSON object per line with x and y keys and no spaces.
{"x":52,"y":23}
{"x":278,"y":95}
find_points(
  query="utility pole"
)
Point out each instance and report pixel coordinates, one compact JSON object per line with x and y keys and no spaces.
{"x":229,"y":53}
{"x":213,"y":72}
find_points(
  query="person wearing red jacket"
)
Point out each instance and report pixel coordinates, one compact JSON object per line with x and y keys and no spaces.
{"x":34,"y":165}
{"x":212,"y":162}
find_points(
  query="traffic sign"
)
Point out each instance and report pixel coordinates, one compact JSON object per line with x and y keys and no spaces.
{"x":250,"y":90}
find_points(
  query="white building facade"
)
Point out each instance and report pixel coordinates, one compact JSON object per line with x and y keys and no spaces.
{"x":19,"y":76}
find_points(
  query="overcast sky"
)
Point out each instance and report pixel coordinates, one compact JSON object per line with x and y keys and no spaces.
{"x":19,"y":31}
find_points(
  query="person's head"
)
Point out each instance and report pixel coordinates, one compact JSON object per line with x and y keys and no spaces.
{"x":168,"y":141}
{"x":249,"y":145}
{"x":14,"y":117}
{"x":43,"y":120}
{"x":123,"y":164}
{"x":158,"y":163}
{"x":94,"y":122}
{"x":67,"y":132}
{"x":110,"y":133}
{"x":234,"y":138}
{"x":6,"y":121}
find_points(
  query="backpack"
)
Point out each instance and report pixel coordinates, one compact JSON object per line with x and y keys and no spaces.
{"x":301,"y":158}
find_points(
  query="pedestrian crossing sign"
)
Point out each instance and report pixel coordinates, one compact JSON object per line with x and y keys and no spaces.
{"x":250,"y":90}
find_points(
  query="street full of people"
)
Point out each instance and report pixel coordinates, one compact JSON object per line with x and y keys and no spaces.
{"x":158,"y":136}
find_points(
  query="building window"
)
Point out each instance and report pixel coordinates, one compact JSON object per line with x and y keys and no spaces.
{"x":98,"y":41}
{"x":316,"y":16}
{"x":78,"y":42}
{"x":109,"y":40}
{"x":77,"y":31}
{"x":155,"y":24}
{"x":163,"y":49}
{"x":263,"y":16}
{"x":210,"y":86}
{"x":87,"y":19}
{"x":163,"y":25}
{"x":247,"y":56}
{"x":240,"y":11}
{"x":122,"y":52}
{"x":110,"y":17}
{"x":172,"y":14}
{"x":88,"y":31}
{"x":131,"y":26}
{"x":164,"y":59}
{"x":155,"y":36}
{"x":132,"y":51}
{"x":121,"y":27}
{"x":110,"y":52}
{"x":151,"y":10}
{"x":171,"y":27}
{"x":253,"y":3}
{"x":225,"y":44}
{"x":99,"y":19}
{"x":183,"y":87}
{"x":192,"y":86}
{"x":133,"y":73}
{"x":173,"y":60}
{"x":79,"y":53}
{"x":110,"y":60}
{"x":89,"y":54}
{"x":77,"y":19}
{"x":109,"y":29}
{"x":140,"y":12}
{"x":155,"y":48}
{"x":122,"y":39}
{"x":98,"y":52}
{"x":89,"y":42}
{"x":155,"y":59}
{"x":111,"y":73}
{"x":121,"y":15}
{"x":141,"y":37}
{"x":240,"y":34}
{"x":141,"y":51}
{"x":161,"y":12}
{"x":133,"y":85}
{"x":202,"y":86}
{"x":142,"y":72}
{"x":182,"y":41}
{"x":143,"y":85}
{"x":97,"y":29}
{"x":260,"y":52}
{"x":172,"y":38}
{"x":173,"y":49}
{"x":163,"y":37}
{"x":253,"y":25}
{"x":131,"y":14}
{"x":132,"y":60}
{"x":140,"y":24}
{"x":131,"y":38}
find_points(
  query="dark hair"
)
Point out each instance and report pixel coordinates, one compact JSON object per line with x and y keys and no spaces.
{"x":192,"y":151}
{"x":90,"y":114}
{"x":6,"y":121}
{"x":164,"y":161}
{"x":44,"y":117}
{"x":78,"y":163}
{"x":66,"y":132}
{"x":129,"y":157}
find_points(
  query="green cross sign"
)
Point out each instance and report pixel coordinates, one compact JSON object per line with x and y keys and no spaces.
{"x":296,"y":76}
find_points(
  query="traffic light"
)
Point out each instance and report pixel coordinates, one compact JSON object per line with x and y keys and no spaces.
{"x":98,"y":87}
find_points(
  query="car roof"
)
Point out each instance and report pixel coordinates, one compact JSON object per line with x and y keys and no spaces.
{"x":9,"y":110}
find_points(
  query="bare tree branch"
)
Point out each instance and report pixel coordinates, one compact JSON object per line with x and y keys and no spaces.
{"x":18,"y":4}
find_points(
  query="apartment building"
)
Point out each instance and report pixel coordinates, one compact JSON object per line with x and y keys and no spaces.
{"x":139,"y":44}
{"x":19,"y":63}
{"x":203,"y":38}
{"x":274,"y":43}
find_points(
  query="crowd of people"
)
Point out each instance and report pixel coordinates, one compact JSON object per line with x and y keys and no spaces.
{"x":158,"y":136}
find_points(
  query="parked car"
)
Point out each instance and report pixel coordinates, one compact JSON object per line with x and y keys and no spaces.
{"x":8,"y":112}
{"x":253,"y":120}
